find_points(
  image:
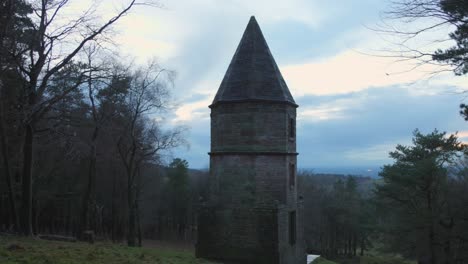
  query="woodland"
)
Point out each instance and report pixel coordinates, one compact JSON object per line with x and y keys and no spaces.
{"x":85,"y":152}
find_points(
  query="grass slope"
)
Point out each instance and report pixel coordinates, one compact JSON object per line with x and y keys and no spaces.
{"x":52,"y":252}
{"x":321,"y":260}
{"x":364,"y":260}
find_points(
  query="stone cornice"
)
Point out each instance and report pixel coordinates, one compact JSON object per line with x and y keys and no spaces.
{"x":253,"y":101}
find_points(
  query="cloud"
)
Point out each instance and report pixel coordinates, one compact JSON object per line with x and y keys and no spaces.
{"x":354,"y":108}
{"x":193,"y":111}
{"x":143,"y":37}
{"x":351,"y":71}
{"x":371,"y":122}
{"x":352,"y":129}
{"x":180,"y":23}
{"x":311,"y":13}
{"x":321,"y":109}
{"x":463,"y":136}
{"x":320,"y":113}
{"x":194,"y":105}
{"x":198,"y":38}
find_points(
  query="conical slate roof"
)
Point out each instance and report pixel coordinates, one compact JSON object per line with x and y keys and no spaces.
{"x":253,"y":74}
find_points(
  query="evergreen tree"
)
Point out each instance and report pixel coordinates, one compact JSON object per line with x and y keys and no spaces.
{"x":178,"y":185}
{"x":456,"y":12}
{"x":414,"y":193}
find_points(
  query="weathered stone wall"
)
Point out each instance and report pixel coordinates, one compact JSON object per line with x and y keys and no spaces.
{"x":256,"y":180}
{"x":238,"y":235}
{"x":251,"y":151}
{"x":290,"y":254}
{"x":246,"y":216}
{"x":252,"y":126}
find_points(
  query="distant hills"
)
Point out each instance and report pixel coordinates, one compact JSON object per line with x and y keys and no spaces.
{"x":364,"y":171}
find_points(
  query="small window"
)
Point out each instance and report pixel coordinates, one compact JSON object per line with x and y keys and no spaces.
{"x":292,"y":175}
{"x":292,"y":128}
{"x":292,"y":228}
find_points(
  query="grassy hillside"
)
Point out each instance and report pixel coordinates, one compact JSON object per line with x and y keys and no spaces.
{"x":364,"y":260}
{"x":323,"y":261}
{"x":28,"y":251}
{"x":14,"y":250}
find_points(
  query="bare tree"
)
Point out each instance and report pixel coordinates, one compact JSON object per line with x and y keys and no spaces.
{"x":420,"y":21}
{"x":43,"y":58}
{"x":140,"y":139}
{"x":97,"y":76}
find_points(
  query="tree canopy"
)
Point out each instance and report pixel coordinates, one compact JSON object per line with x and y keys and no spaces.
{"x":419,"y":221}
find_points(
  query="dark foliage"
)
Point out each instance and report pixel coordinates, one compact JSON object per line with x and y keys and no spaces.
{"x":422,"y":200}
{"x":456,"y":12}
{"x":337,"y":212}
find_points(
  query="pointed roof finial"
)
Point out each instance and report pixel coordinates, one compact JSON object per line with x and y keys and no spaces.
{"x":253,"y":74}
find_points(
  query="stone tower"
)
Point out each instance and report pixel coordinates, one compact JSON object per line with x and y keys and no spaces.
{"x":252,"y":214}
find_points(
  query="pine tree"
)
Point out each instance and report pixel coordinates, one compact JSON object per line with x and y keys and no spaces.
{"x":414,"y":193}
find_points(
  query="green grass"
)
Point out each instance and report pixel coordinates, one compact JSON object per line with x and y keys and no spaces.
{"x":321,"y":260}
{"x":36,"y":251}
{"x":53,"y":252}
{"x":383,"y":260}
{"x":364,"y":260}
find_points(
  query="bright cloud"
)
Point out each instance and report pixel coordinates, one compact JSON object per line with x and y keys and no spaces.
{"x":311,"y":13}
{"x":195,"y":111}
{"x":463,"y":136}
{"x":354,"y":108}
{"x":321,"y":113}
{"x":351,"y":71}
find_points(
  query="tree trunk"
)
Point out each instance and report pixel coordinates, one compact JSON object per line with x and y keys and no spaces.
{"x":35,"y":215}
{"x":350,"y":246}
{"x":362,"y":246}
{"x":139,"y":226}
{"x":7,"y":171}
{"x":432,"y":245}
{"x":7,"y":11}
{"x":354,"y":245}
{"x":89,"y":197}
{"x":160,"y":224}
{"x":131,"y":241}
{"x":137,"y":207}
{"x":26,"y":206}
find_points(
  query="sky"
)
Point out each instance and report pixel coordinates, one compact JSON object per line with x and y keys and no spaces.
{"x":354,"y":107}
